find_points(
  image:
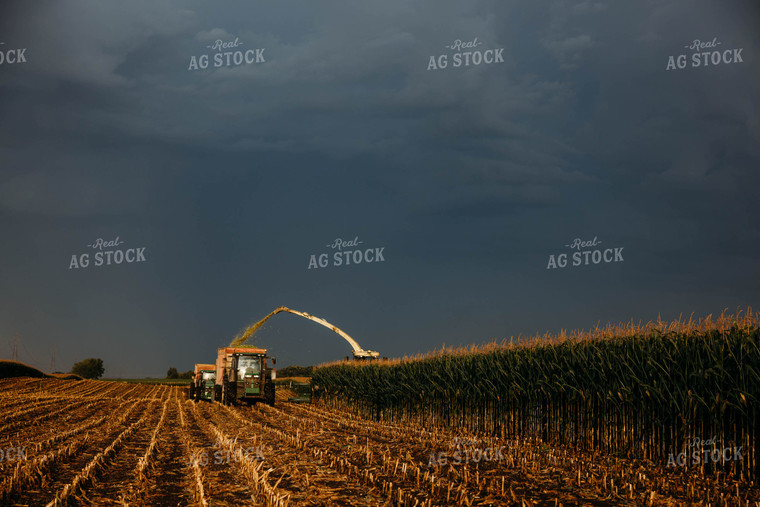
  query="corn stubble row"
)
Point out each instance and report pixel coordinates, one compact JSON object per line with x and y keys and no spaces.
{"x":88,"y":473}
{"x":317,"y":444}
{"x":147,"y":461}
{"x":633,"y":391}
{"x":199,"y":483}
{"x":38,"y":469}
{"x":92,"y":405}
{"x":258,"y":478}
{"x":394,"y":461}
{"x":394,"y":475}
{"x":111,"y":442}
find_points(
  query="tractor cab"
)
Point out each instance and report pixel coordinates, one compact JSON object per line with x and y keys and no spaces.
{"x":249,"y":368}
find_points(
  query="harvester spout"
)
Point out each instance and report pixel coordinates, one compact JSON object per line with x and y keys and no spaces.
{"x":359,"y":353}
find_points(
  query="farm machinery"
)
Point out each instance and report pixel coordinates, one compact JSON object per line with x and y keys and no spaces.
{"x":243,"y":375}
{"x":204,"y":379}
{"x":359,"y":353}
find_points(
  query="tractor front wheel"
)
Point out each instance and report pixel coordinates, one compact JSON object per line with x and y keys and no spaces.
{"x":269,"y":394}
{"x":229,"y":394}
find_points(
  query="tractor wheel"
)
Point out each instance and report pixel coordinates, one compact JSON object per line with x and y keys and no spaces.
{"x":191,"y":392}
{"x":269,"y":394}
{"x":229,"y":394}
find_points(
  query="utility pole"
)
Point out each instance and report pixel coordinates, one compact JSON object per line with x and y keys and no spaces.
{"x":15,"y":348}
{"x":52,"y":361}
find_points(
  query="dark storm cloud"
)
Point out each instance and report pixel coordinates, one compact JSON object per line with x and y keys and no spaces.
{"x":469,"y":177}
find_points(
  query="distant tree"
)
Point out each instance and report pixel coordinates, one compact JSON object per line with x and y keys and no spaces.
{"x":89,"y":368}
{"x":187,"y":374}
{"x":172,"y":373}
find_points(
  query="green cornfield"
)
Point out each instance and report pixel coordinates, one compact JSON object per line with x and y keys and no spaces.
{"x":629,"y":390}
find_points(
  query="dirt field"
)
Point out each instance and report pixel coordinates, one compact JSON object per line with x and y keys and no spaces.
{"x":103,"y":443}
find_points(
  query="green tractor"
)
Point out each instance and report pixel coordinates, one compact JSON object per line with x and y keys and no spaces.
{"x":204,"y":379}
{"x":243,"y":376}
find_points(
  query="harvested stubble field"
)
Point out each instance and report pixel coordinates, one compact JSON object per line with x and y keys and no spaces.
{"x":107,"y":443}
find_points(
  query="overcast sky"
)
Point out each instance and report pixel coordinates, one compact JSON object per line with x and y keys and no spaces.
{"x":468,"y":178}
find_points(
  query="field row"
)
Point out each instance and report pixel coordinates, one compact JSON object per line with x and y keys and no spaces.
{"x":94,"y":443}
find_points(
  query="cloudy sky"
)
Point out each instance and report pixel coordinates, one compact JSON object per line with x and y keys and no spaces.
{"x":468,"y":178}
